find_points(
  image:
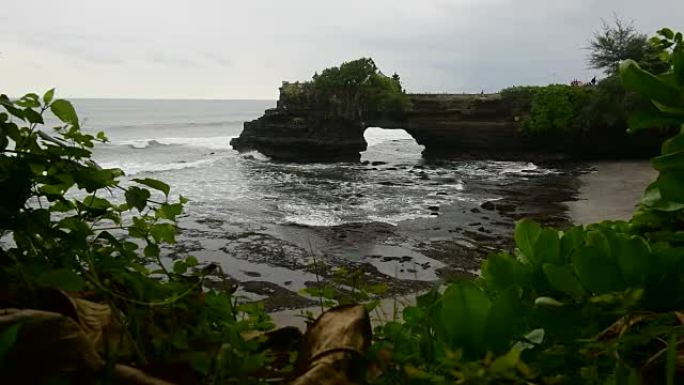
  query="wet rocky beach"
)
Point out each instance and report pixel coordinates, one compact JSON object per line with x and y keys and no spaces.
{"x":273,"y":263}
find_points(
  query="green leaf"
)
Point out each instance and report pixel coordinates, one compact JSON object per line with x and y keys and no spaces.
{"x":595,"y":270}
{"x":32,"y":116}
{"x":563,"y":279}
{"x":180,"y":267}
{"x":678,"y":64}
{"x":191,"y":261}
{"x":65,"y":111}
{"x":8,"y":338}
{"x":163,"y":232}
{"x":674,"y":144}
{"x":64,"y":279}
{"x":667,"y":33}
{"x":547,"y":247}
{"x":654,"y":201}
{"x":504,"y":320}
{"x":155,"y":184}
{"x":548,"y":302}
{"x":501,"y":271}
{"x":571,"y":239}
{"x":642,"y":120}
{"x":507,"y":362}
{"x":648,"y":85}
{"x":169,"y":211}
{"x":526,"y":234}
{"x":463,"y":317}
{"x":14,"y":111}
{"x":634,"y":261}
{"x":137,"y":197}
{"x":673,"y":161}
{"x":671,"y":185}
{"x":151,"y":250}
{"x":48,"y":96}
{"x":93,"y":202}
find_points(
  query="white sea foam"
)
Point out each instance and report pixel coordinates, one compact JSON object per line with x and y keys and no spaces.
{"x":214,"y":143}
{"x":132,"y":168}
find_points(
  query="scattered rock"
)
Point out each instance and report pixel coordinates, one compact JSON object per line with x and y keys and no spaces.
{"x":489,"y":206}
{"x":433,"y":208}
{"x":378,"y":163}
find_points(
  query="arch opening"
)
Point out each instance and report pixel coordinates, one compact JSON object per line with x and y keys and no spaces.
{"x":391,"y":145}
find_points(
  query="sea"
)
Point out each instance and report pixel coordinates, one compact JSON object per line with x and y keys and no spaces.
{"x":186,"y":144}
{"x":239,"y":200}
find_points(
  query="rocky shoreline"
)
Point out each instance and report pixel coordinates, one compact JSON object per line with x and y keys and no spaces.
{"x":273,"y":263}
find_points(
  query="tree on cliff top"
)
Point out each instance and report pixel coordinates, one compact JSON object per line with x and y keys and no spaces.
{"x":620,"y":41}
{"x":356,"y":90}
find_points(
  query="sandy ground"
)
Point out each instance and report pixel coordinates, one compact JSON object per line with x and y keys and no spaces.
{"x":611,"y":191}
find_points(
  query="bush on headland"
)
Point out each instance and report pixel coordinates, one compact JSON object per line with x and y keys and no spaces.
{"x":600,"y":304}
{"x":603,"y":105}
{"x":356,"y":90}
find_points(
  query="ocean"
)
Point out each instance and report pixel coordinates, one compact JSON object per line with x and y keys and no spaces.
{"x":264,"y":221}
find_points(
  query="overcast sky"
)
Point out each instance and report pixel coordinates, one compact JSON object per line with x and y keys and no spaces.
{"x":243,"y":49}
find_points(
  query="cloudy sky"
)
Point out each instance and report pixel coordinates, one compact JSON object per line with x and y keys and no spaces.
{"x":243,"y":49}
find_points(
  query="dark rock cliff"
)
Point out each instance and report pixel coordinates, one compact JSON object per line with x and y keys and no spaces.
{"x":448,"y":125}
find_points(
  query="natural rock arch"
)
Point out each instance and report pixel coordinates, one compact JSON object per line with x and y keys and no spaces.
{"x":448,"y":125}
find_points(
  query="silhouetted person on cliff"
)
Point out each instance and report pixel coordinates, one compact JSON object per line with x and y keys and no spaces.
{"x":593,"y":81}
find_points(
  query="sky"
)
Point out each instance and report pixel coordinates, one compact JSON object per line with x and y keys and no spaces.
{"x":224,"y":49}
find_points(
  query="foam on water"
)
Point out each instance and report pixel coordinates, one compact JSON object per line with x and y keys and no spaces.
{"x":134,"y":168}
{"x":214,"y":143}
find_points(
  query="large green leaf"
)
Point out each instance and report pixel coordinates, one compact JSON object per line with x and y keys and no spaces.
{"x":48,"y":96}
{"x":65,"y":111}
{"x":8,"y":337}
{"x":672,"y":161}
{"x":563,"y":279}
{"x":642,"y":120}
{"x":65,"y":279}
{"x":155,"y":184}
{"x":504,"y":320}
{"x":671,"y":185}
{"x":596,"y":271}
{"x":500,"y":271}
{"x":547,"y":247}
{"x":634,"y":261}
{"x":649,"y":85}
{"x":674,"y":144}
{"x":678,"y":64}
{"x":137,"y":197}
{"x":526,"y":234}
{"x":570,"y":240}
{"x":463,"y":317}
{"x":163,"y":232}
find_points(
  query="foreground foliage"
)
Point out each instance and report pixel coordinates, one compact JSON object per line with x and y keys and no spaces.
{"x":62,"y":228}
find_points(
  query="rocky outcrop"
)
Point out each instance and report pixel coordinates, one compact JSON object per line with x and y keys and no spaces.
{"x":299,"y":135}
{"x":448,"y":125}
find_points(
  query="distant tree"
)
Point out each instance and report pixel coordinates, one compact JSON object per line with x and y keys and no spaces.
{"x":620,"y":41}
